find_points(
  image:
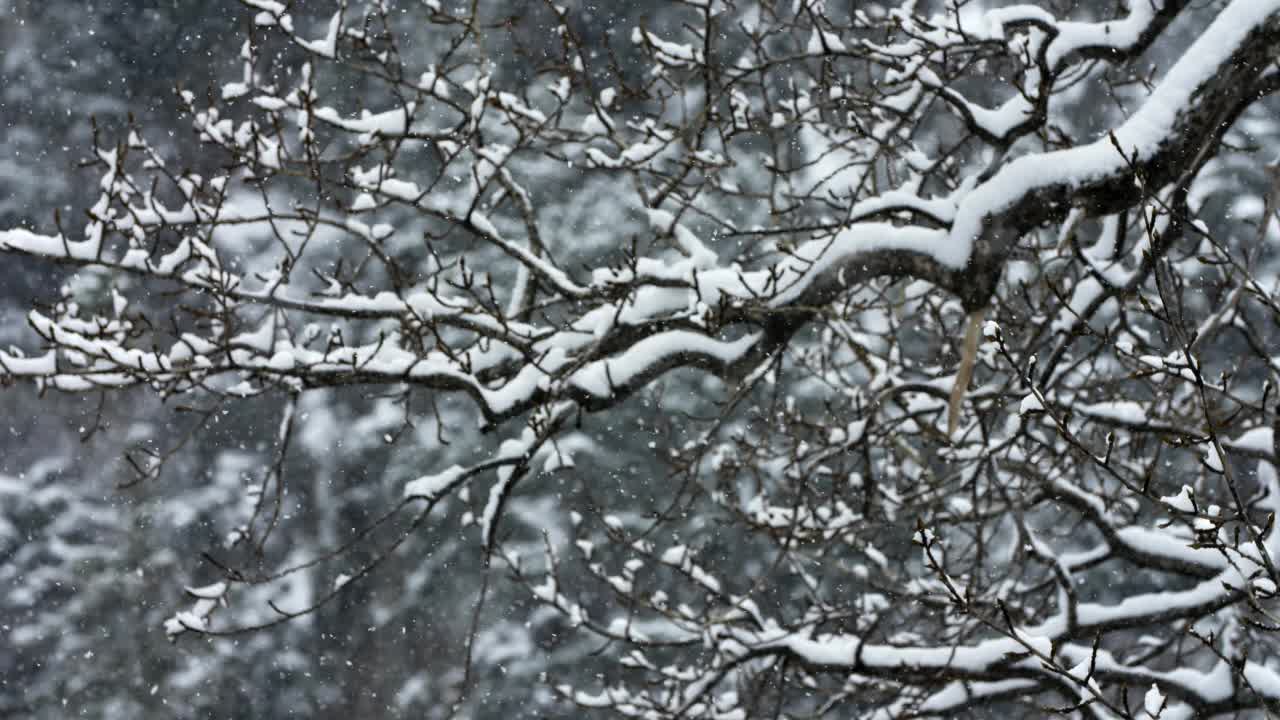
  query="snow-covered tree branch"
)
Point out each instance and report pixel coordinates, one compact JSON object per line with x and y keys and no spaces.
{"x":772,"y":222}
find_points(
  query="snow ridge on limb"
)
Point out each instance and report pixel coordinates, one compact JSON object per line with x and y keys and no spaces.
{"x":1188,"y":109}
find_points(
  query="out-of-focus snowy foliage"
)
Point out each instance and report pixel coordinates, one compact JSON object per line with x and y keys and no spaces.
{"x":701,"y":359}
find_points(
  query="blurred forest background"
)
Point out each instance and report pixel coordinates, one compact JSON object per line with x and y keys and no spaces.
{"x":91,"y":562}
{"x":91,"y":565}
